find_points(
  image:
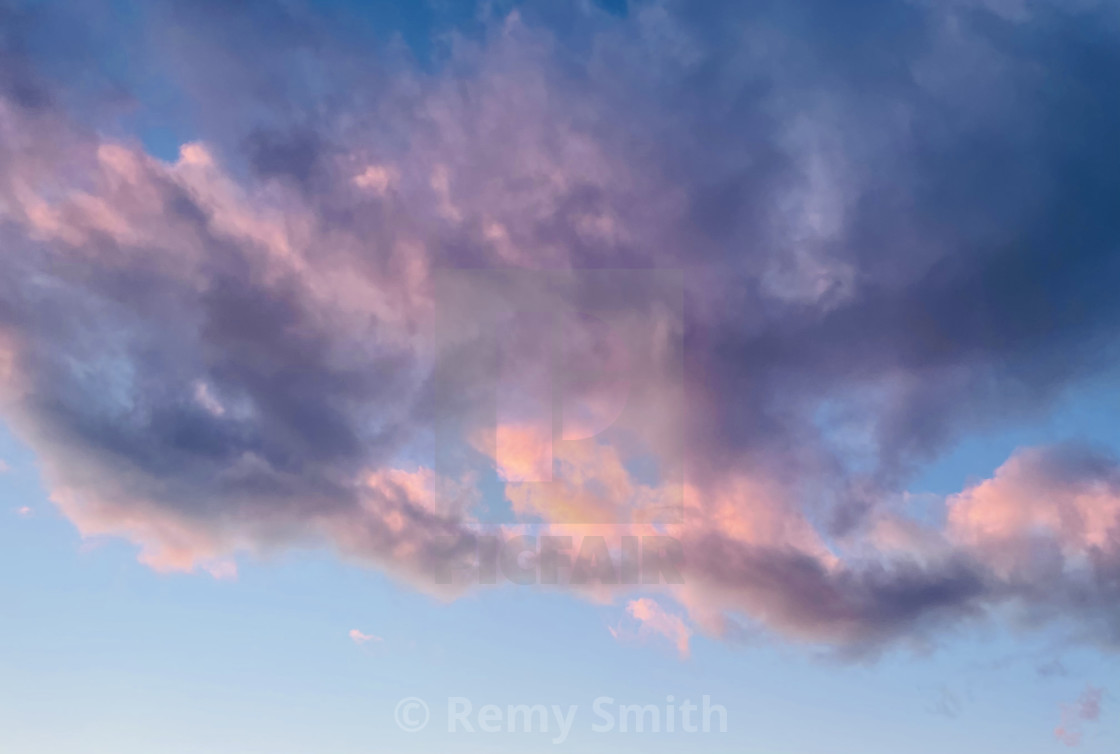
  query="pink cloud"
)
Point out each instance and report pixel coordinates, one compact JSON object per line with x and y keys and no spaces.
{"x":653,"y":619}
{"x":360,"y":638}
{"x":1043,"y":510}
{"x":1087,"y":709}
{"x":1029,"y":496}
{"x":169,"y":541}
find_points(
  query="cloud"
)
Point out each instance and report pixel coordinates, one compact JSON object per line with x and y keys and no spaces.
{"x":4,"y":467}
{"x":1052,"y":669}
{"x":1041,"y":538}
{"x":1066,"y":494}
{"x":882,"y":248}
{"x":1087,"y":709}
{"x":655,"y":620}
{"x":360,"y":638}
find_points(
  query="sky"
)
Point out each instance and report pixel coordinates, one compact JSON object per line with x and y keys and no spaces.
{"x":531,"y":376}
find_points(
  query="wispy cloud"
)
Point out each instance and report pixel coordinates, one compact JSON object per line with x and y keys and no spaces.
{"x":654,"y":620}
{"x":360,"y":638}
{"x":1087,"y":709}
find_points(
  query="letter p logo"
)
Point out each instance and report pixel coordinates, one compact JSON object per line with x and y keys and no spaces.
{"x":561,"y":392}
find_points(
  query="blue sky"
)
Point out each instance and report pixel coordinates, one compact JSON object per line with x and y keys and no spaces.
{"x":832,"y":286}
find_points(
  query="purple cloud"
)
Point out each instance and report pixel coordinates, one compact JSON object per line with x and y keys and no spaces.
{"x":882,"y":248}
